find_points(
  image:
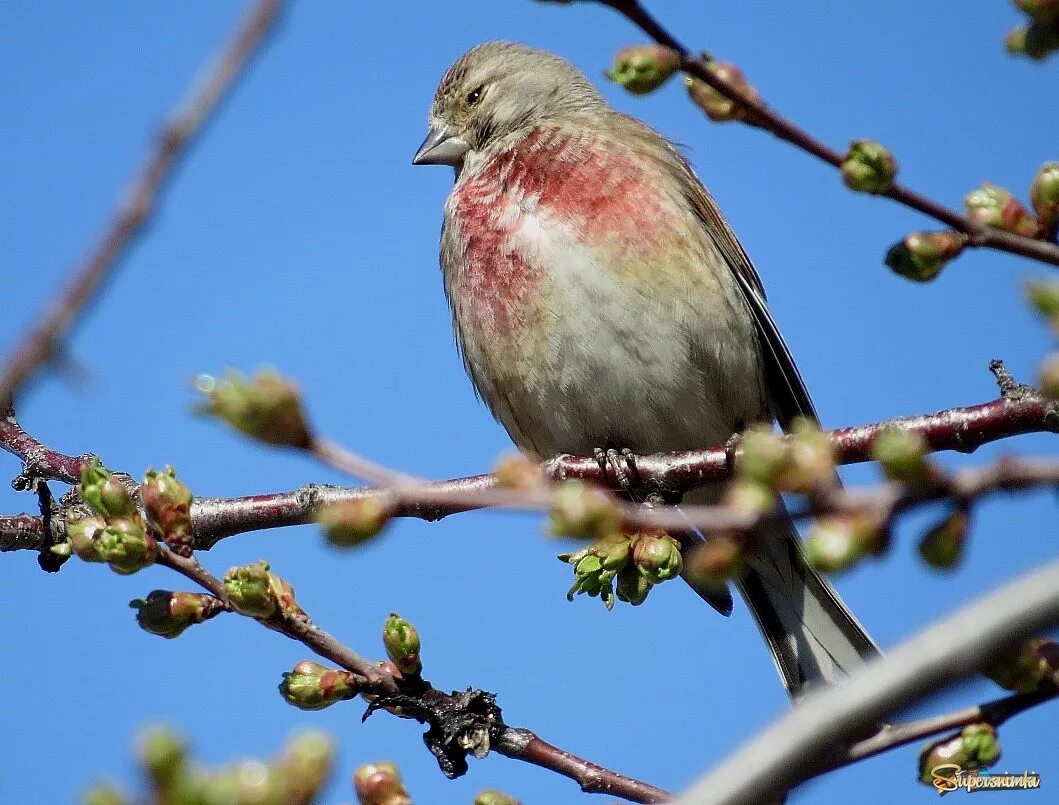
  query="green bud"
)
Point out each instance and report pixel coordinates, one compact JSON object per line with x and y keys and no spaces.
{"x":838,"y":542}
{"x":249,"y":590}
{"x":491,"y":797}
{"x":162,"y":754}
{"x":716,"y":106}
{"x":168,"y":505}
{"x":749,"y":497}
{"x":307,"y":763}
{"x":716,"y":561}
{"x":868,"y":167}
{"x":810,"y":459}
{"x":354,"y":522}
{"x":942,"y":544}
{"x":402,"y":644}
{"x":976,"y":745}
{"x":981,"y":744}
{"x":632,"y":587}
{"x":168,"y":614}
{"x":104,"y":795}
{"x":311,"y":686}
{"x":995,"y":206}
{"x":902,"y":455}
{"x":104,"y":493}
{"x":1044,"y":196}
{"x":125,"y":545}
{"x":644,"y":68}
{"x":83,"y":531}
{"x":267,"y":407}
{"x":1031,"y":666}
{"x":763,"y":456}
{"x":582,"y":510}
{"x":657,"y":557}
{"x":922,"y":255}
{"x":1044,"y":296}
{"x":380,"y":784}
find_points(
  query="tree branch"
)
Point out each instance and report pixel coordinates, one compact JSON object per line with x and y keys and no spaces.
{"x":41,"y":343}
{"x":789,"y":752}
{"x":765,"y":117}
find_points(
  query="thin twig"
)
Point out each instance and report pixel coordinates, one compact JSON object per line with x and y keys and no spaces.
{"x":787,"y":753}
{"x":765,"y":117}
{"x":41,"y":343}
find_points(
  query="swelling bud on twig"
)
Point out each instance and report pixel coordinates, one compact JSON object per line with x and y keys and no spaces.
{"x":643,"y":68}
{"x":162,"y":755}
{"x":168,"y":505}
{"x":582,"y":510}
{"x":798,"y":463}
{"x":125,"y":545}
{"x":1044,"y":296}
{"x":1031,"y":666}
{"x":402,"y":644}
{"x":631,"y":586}
{"x":104,"y":493}
{"x":354,"y":522}
{"x":868,"y":167}
{"x":716,"y":561}
{"x":922,"y":255}
{"x":995,"y":206}
{"x":838,"y":542}
{"x":716,"y":106}
{"x":1044,"y":196}
{"x":82,"y":531}
{"x":657,"y":556}
{"x":266,"y":407}
{"x":380,"y":784}
{"x":168,"y":614}
{"x":255,"y":591}
{"x":902,"y":455}
{"x":1049,"y":376}
{"x":307,"y":763}
{"x":492,"y":797}
{"x":311,"y":686}
{"x":596,"y":567}
{"x":976,"y":745}
{"x":942,"y":544}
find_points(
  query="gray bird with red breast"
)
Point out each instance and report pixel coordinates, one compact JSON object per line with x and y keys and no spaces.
{"x":600,"y":299}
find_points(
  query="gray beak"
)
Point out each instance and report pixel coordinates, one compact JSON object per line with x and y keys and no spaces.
{"x":441,"y":147}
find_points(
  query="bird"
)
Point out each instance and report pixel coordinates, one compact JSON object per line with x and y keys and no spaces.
{"x":600,"y":299}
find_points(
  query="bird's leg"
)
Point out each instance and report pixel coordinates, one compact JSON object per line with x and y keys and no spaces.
{"x":621,"y":464}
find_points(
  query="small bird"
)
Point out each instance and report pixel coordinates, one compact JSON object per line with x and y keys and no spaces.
{"x":601,"y":301}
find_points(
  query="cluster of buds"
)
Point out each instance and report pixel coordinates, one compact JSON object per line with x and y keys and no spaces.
{"x":801,"y":462}
{"x":380,"y":783}
{"x":997,"y":207}
{"x":869,"y":167}
{"x":354,"y":522}
{"x":1031,"y":666}
{"x":628,"y":566}
{"x":255,"y":591}
{"x":1041,"y":36}
{"x":297,"y":777}
{"x":718,"y":107}
{"x":167,"y":502}
{"x":942,"y":545}
{"x":644,"y":68}
{"x":114,"y":532}
{"x":312,"y":686}
{"x":168,"y":614}
{"x":973,"y":747}
{"x":403,"y":646}
{"x":267,"y":407}
{"x":921,"y":256}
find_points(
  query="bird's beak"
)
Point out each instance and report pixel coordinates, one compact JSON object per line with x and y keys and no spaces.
{"x":441,"y":147}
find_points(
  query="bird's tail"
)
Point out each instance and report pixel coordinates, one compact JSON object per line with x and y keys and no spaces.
{"x":811,"y":633}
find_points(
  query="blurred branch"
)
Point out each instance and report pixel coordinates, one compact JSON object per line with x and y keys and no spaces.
{"x":789,"y":752}
{"x":41,"y":344}
{"x":761,"y":115}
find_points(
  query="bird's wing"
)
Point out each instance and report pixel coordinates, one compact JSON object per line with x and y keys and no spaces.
{"x":787,"y":392}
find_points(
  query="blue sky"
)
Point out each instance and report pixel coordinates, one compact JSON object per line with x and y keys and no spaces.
{"x":298,"y":234}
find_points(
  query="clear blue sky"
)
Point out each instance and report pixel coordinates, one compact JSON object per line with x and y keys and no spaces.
{"x":299,"y":235}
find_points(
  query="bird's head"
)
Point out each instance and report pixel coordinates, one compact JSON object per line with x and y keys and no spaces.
{"x":498,"y":89}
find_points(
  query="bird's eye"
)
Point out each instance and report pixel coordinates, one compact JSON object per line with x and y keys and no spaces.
{"x":475,"y":95}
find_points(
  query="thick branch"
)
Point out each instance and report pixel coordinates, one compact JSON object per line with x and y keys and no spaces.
{"x":765,"y":117}
{"x":787,"y":753}
{"x":41,"y":343}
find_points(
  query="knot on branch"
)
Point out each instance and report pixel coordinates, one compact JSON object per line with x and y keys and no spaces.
{"x":461,"y":724}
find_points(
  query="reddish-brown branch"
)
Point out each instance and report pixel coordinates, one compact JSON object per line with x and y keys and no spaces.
{"x":41,"y":343}
{"x":765,"y":117}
